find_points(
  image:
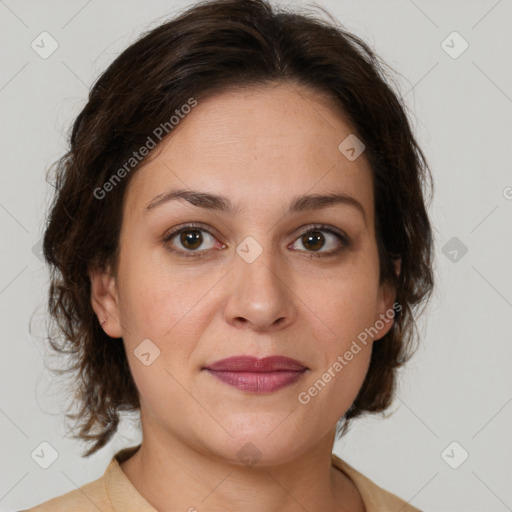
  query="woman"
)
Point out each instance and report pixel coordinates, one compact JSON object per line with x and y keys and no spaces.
{"x":237,"y":245}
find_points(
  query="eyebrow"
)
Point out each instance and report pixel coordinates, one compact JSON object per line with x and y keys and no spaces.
{"x":223,"y":204}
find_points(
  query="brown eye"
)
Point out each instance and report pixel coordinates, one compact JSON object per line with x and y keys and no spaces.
{"x":191,"y":239}
{"x":323,"y":241}
{"x":314,"y":240}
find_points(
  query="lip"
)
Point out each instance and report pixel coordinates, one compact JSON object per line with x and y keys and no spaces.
{"x":256,"y":375}
{"x":254,"y":364}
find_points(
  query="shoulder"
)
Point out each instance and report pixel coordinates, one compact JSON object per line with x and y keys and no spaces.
{"x":113,"y":491}
{"x":88,"y":498}
{"x":375,"y":498}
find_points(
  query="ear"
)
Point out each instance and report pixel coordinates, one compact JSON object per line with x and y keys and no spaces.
{"x":386,"y":298}
{"x":104,"y":300}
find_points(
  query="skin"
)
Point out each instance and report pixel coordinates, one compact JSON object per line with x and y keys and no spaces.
{"x":260,"y":148}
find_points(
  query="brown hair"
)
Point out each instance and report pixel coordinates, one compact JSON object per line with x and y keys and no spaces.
{"x":210,"y":48}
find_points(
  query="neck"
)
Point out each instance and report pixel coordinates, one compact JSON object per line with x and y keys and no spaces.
{"x":172,"y":474}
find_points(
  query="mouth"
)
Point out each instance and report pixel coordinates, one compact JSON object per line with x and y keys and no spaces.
{"x":255,"y":375}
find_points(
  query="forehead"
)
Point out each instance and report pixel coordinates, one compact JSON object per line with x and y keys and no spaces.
{"x":254,"y":145}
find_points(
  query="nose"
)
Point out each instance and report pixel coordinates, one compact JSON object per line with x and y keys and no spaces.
{"x":261,"y":295}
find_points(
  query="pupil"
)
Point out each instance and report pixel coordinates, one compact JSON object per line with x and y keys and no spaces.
{"x":314,"y":239}
{"x":191,"y":239}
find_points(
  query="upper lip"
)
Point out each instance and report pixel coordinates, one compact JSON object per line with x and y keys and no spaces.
{"x":254,"y":364}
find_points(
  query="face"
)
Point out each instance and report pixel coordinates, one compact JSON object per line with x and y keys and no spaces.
{"x":258,"y":273}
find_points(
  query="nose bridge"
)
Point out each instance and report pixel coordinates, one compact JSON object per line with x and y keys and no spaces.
{"x":257,"y":265}
{"x":260,"y":294}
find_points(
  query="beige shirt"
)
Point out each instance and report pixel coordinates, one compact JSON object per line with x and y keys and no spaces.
{"x":113,"y":492}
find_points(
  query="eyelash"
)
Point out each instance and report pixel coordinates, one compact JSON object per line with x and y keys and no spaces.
{"x":345,"y":241}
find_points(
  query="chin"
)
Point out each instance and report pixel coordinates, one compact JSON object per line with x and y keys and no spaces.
{"x":257,"y":442}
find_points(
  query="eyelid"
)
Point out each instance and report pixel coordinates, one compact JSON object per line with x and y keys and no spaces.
{"x":325,"y":227}
{"x":190,"y":226}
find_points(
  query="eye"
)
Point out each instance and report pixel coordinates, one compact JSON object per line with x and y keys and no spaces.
{"x":191,"y":239}
{"x":322,"y":240}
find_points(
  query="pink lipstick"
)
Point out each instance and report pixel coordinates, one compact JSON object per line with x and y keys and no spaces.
{"x":255,"y":375}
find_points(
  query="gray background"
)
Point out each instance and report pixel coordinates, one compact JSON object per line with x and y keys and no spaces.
{"x":456,"y":388}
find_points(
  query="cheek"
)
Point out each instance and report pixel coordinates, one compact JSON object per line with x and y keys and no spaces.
{"x":156,"y":297}
{"x":327,"y":395}
{"x":345,"y":303}
{"x":166,"y":308}
{"x":331,"y":389}
{"x":342,"y":311}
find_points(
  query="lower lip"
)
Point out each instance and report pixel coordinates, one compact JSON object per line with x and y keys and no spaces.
{"x":258,"y":382}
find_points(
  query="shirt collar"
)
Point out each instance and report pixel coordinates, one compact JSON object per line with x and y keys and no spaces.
{"x":123,"y":495}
